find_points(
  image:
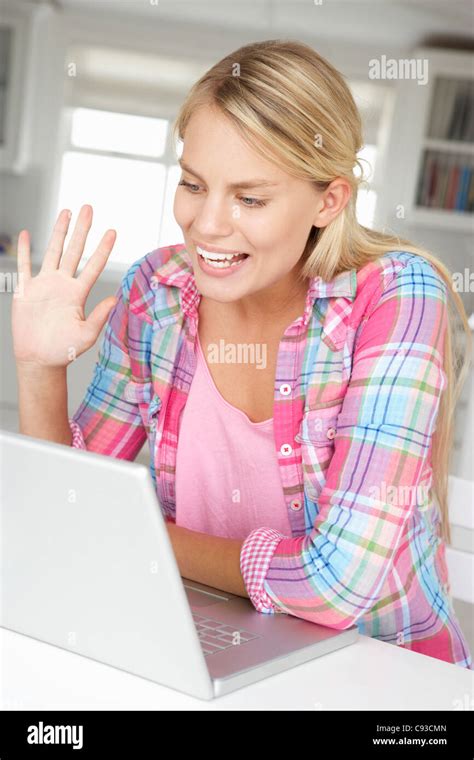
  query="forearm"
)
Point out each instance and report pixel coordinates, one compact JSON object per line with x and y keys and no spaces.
{"x":42,"y":402}
{"x":210,"y":560}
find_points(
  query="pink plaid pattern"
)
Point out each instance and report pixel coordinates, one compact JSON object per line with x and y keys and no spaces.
{"x":77,"y":437}
{"x":358,"y":381}
{"x":255,"y":557}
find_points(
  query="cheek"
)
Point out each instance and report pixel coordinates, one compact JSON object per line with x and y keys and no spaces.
{"x":182,"y":210}
{"x":282,"y":238}
{"x":271,"y":235}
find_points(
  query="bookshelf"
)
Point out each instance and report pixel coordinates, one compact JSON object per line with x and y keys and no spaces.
{"x":446,"y":172}
{"x":429,"y":158}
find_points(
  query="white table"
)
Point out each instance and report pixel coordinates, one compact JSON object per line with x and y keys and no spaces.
{"x":368,"y":675}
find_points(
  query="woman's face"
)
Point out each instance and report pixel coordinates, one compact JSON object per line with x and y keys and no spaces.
{"x":232,"y":200}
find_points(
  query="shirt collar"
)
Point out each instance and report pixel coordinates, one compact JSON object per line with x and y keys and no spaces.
{"x":178,"y":272}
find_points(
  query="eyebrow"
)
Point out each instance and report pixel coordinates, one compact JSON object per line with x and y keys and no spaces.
{"x":232,"y":185}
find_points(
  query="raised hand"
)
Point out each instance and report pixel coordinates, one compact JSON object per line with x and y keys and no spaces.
{"x":48,"y":318}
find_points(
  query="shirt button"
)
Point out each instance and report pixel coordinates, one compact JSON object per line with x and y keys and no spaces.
{"x":286,"y":450}
{"x":285,"y":389}
{"x":331,"y":432}
{"x":295,"y":505}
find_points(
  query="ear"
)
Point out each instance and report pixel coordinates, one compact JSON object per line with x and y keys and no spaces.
{"x":332,"y":201}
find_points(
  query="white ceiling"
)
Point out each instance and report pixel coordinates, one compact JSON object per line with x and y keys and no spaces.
{"x":403,"y":23}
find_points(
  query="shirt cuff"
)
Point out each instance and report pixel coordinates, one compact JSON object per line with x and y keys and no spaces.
{"x":77,"y":437}
{"x":255,"y":556}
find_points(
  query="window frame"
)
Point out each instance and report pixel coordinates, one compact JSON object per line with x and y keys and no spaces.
{"x":168,"y":160}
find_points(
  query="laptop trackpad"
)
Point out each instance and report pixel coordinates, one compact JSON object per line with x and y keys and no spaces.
{"x":202,"y":598}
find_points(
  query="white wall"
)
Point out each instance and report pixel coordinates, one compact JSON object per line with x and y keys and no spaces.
{"x":29,"y":200}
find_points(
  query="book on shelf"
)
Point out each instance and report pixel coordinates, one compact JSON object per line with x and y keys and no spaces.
{"x":452,"y":110}
{"x":446,"y":181}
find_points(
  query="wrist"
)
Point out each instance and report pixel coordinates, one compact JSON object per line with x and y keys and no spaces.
{"x":36,"y":370}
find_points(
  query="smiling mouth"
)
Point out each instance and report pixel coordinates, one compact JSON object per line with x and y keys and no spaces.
{"x":221,"y":260}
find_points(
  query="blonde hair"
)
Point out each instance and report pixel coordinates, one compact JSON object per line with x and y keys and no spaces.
{"x":282,"y":95}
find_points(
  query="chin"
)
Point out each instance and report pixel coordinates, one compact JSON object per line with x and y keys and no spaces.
{"x":217,"y":292}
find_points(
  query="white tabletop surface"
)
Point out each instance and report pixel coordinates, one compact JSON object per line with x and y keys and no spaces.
{"x":367,"y":675}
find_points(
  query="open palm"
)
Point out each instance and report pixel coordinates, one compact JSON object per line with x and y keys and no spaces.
{"x":48,"y":312}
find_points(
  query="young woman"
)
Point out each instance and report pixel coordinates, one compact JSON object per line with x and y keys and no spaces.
{"x":291,"y":369}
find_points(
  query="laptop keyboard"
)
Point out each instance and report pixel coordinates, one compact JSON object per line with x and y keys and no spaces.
{"x":216,"y":636}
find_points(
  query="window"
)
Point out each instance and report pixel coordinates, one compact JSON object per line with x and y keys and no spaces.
{"x":374,"y":101}
{"x":124,"y":167}
{"x":367,"y":196}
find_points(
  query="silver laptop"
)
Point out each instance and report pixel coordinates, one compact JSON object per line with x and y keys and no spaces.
{"x":87,"y":566}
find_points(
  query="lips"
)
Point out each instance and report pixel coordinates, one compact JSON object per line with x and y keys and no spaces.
{"x":215,"y":249}
{"x":227,"y":265}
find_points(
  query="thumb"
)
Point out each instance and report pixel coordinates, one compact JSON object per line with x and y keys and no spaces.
{"x":99,"y":315}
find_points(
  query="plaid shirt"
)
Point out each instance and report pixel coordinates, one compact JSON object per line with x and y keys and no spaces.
{"x":357,"y":388}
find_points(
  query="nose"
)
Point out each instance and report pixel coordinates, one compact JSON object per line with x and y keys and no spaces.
{"x":213,"y":218}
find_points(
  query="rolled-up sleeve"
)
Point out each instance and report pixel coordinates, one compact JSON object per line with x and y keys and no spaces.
{"x":255,"y":557}
{"x":380,"y":471}
{"x":77,"y":437}
{"x":107,"y":422}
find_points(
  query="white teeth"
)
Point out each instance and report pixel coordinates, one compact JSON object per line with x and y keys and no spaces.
{"x":223,"y":264}
{"x":210,"y":256}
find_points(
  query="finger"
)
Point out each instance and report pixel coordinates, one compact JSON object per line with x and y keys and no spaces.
{"x":55,"y":246}
{"x":23,"y":256}
{"x":72,"y":256}
{"x":98,"y":260}
{"x":98,"y":316}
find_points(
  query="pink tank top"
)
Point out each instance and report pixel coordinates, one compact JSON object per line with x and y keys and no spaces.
{"x":227,"y":476}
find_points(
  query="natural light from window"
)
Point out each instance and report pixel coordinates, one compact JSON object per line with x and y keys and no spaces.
{"x":124,"y":166}
{"x":367,"y":197}
{"x":118,"y":132}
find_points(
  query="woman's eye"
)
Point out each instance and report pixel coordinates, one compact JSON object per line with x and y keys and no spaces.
{"x":256,"y":201}
{"x":189,"y":185}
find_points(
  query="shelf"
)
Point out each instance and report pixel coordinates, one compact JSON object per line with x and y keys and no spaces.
{"x":426,"y":160}
{"x":449,"y":146}
{"x":461,"y":221}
